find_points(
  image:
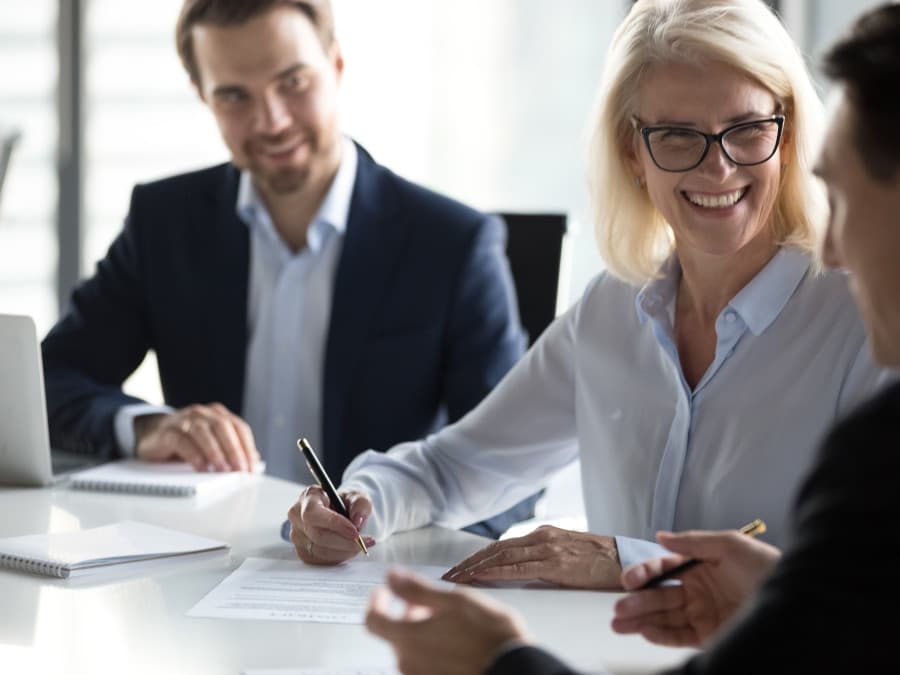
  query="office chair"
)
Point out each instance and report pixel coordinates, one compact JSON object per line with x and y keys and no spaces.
{"x":8,"y":140}
{"x":534,"y":249}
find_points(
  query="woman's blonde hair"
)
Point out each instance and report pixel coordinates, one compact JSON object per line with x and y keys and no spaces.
{"x":632,"y":234}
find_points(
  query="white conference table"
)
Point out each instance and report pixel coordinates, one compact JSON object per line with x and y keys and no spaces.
{"x":134,"y":620}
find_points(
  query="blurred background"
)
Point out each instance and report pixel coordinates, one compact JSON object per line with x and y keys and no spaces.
{"x":485,"y":100}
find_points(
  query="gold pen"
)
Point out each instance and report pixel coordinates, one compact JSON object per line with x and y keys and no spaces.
{"x":318,"y":472}
{"x":751,"y":529}
{"x":754,"y":528}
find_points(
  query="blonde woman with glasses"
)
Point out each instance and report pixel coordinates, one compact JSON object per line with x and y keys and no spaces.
{"x":695,"y":376}
{"x":826,"y":607}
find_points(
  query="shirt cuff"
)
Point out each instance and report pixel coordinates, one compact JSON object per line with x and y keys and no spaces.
{"x":123,"y":423}
{"x":633,"y":551}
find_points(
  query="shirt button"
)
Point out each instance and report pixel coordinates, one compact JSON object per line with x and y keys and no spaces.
{"x":730,"y":317}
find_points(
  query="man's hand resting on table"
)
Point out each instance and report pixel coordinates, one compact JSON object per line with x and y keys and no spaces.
{"x":205,"y":436}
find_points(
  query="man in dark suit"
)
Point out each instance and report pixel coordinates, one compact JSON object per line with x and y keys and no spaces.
{"x":828,"y":604}
{"x":299,"y":290}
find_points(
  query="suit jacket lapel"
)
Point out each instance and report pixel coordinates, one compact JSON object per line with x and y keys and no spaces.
{"x":230,"y":249}
{"x":373,"y":242}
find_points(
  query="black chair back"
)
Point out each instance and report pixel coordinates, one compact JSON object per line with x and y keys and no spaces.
{"x":534,"y":249}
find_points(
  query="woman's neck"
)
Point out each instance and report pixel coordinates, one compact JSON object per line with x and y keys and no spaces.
{"x":709,"y":282}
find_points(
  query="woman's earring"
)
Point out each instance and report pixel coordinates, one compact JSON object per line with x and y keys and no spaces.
{"x":638,"y":183}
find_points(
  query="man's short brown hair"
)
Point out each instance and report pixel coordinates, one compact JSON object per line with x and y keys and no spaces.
{"x":867,"y":62}
{"x":235,"y":12}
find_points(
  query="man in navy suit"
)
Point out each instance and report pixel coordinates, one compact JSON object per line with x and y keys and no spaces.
{"x":299,"y":290}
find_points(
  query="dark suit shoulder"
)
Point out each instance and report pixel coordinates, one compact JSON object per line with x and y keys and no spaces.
{"x":440,"y":213}
{"x":207,"y":180}
{"x":877,"y":417}
{"x":454,"y":213}
{"x":859,"y":449}
{"x":855,"y":465}
{"x":197,"y":205}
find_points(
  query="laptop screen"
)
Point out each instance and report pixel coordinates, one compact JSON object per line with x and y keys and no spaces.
{"x":24,"y":436}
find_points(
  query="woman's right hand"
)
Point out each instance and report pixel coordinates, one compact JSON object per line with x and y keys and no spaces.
{"x":710,"y":593}
{"x":321,"y":535}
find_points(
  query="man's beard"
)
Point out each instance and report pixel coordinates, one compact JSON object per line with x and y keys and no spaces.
{"x":282,"y":182}
{"x":293,"y":178}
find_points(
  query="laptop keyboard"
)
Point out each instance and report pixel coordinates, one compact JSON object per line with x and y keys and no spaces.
{"x":65,"y":462}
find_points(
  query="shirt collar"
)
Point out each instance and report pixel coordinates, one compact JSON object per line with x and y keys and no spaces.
{"x":759,"y":303}
{"x":658,"y":294}
{"x":333,"y":211}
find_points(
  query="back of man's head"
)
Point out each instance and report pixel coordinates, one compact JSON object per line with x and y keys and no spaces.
{"x":867,"y":62}
{"x":235,"y":12}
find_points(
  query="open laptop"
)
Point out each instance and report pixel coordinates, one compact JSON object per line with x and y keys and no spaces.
{"x":25,"y":457}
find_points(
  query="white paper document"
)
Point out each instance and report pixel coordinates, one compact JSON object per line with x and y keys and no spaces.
{"x":289,"y":590}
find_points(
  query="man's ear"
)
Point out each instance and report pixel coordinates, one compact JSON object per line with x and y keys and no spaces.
{"x":198,"y":89}
{"x":337,"y":59}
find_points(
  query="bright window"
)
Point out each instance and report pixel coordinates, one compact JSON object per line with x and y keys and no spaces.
{"x":28,"y":201}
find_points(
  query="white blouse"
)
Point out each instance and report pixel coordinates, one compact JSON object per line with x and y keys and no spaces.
{"x":604,"y":384}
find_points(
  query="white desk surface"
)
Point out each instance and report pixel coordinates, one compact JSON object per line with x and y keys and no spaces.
{"x":134,"y":622}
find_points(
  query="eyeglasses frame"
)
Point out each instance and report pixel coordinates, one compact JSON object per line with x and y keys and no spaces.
{"x":710,"y":139}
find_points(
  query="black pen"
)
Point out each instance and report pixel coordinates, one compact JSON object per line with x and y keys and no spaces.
{"x":750,"y":529}
{"x":318,"y":472}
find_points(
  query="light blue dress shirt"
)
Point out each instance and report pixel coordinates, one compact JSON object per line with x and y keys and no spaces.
{"x":604,"y":384}
{"x":288,"y":312}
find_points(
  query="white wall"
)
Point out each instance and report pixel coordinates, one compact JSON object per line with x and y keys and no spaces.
{"x":485,"y":101}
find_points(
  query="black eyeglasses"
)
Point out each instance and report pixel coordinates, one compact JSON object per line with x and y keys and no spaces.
{"x":681,"y":149}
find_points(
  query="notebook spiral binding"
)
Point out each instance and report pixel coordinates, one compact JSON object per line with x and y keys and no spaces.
{"x":135,"y":488}
{"x":33,"y":566}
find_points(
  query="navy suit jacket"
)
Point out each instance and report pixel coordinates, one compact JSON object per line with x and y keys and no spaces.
{"x":424,"y":319}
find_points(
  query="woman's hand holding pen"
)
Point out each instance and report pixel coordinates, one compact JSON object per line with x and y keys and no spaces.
{"x":709,"y":595}
{"x":550,"y":554}
{"x":321,"y":535}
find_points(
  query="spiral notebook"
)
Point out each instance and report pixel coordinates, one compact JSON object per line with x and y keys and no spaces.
{"x":171,"y":479}
{"x":70,"y":554}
